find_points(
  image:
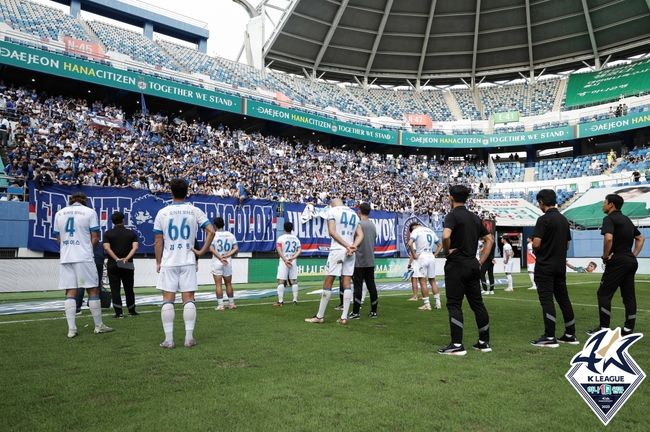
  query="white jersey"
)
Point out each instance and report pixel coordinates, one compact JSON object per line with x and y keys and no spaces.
{"x":346,"y":225}
{"x":223,"y":242}
{"x":290,"y":245}
{"x":73,"y":224}
{"x":178,"y":223}
{"x":507,"y":252}
{"x":424,"y":240}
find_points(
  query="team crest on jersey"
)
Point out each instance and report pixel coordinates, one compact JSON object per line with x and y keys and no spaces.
{"x":604,"y":373}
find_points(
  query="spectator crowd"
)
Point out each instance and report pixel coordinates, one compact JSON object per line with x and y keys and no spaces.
{"x":77,"y":142}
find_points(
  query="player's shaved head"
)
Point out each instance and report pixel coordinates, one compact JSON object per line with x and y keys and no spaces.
{"x":336,"y":202}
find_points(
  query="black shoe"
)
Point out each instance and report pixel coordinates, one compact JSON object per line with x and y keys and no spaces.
{"x":118,"y":315}
{"x":482,"y":346}
{"x":354,"y":316}
{"x":372,"y":314}
{"x":546,"y":342}
{"x":453,"y":350}
{"x":295,"y":302}
{"x":134,"y":313}
{"x":626,"y":331}
{"x":339,"y":308}
{"x":571,"y":340}
{"x":593,"y":331}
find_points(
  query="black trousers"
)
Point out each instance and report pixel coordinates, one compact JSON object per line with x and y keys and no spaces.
{"x":121,"y":277}
{"x":462,"y":279}
{"x":619,"y":272}
{"x":553,"y":284}
{"x":361,"y":275}
{"x":487,"y":268}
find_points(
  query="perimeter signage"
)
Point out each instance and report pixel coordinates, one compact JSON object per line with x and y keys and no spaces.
{"x":98,"y":73}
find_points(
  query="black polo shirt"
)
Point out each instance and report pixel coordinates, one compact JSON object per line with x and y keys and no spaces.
{"x":121,"y":240}
{"x":623,"y":230}
{"x":553,"y":229}
{"x":466,"y":229}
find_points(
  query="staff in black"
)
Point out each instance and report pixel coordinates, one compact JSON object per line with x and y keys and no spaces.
{"x":120,"y":245}
{"x":621,"y":264}
{"x":550,"y":242}
{"x":462,"y":230}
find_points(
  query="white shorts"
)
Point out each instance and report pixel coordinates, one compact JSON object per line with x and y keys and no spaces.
{"x":78,"y":275}
{"x":285,"y":272}
{"x":339,"y":263}
{"x":220,"y":269}
{"x":426,"y":267}
{"x":416,"y":269}
{"x":177,"y":279}
{"x":531,"y":268}
{"x":507,"y":268}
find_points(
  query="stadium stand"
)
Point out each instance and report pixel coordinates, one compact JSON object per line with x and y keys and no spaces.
{"x":527,"y":99}
{"x":542,"y":96}
{"x":40,"y":20}
{"x":551,"y":169}
{"x":465,"y":100}
{"x":399,"y":102}
{"x":563,"y":196}
{"x":509,"y":172}
{"x":503,"y":98}
{"x":132,"y":44}
{"x":636,"y":160}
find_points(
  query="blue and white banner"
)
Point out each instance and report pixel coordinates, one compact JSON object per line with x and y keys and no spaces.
{"x":253,"y":223}
{"x":315,"y":238}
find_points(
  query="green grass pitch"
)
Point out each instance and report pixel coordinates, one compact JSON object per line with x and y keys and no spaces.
{"x":258,"y":368}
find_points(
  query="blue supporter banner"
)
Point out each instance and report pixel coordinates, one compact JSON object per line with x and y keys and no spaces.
{"x":315,"y":238}
{"x":253,"y":223}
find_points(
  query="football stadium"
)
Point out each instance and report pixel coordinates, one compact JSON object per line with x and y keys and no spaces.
{"x":374,"y":215}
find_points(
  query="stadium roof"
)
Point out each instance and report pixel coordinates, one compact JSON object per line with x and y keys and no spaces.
{"x":391,"y":41}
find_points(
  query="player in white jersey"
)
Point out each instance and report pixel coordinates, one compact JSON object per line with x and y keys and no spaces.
{"x":421,"y":248}
{"x":343,"y":226}
{"x":223,"y":247}
{"x":289,"y":249}
{"x":508,"y":261}
{"x":530,"y":262}
{"x":175,"y":229}
{"x":77,"y":231}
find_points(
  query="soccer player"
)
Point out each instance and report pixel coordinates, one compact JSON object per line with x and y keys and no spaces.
{"x":343,"y":226}
{"x":77,"y":231}
{"x":289,"y":249}
{"x":175,"y":229}
{"x":223,"y":247}
{"x":508,"y":261}
{"x":530,"y":262}
{"x":551,"y":239}
{"x":621,"y":264}
{"x":462,"y":230}
{"x":421,"y":245}
{"x":591,"y":267}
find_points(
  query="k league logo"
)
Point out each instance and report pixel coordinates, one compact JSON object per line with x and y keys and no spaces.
{"x":604,"y":373}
